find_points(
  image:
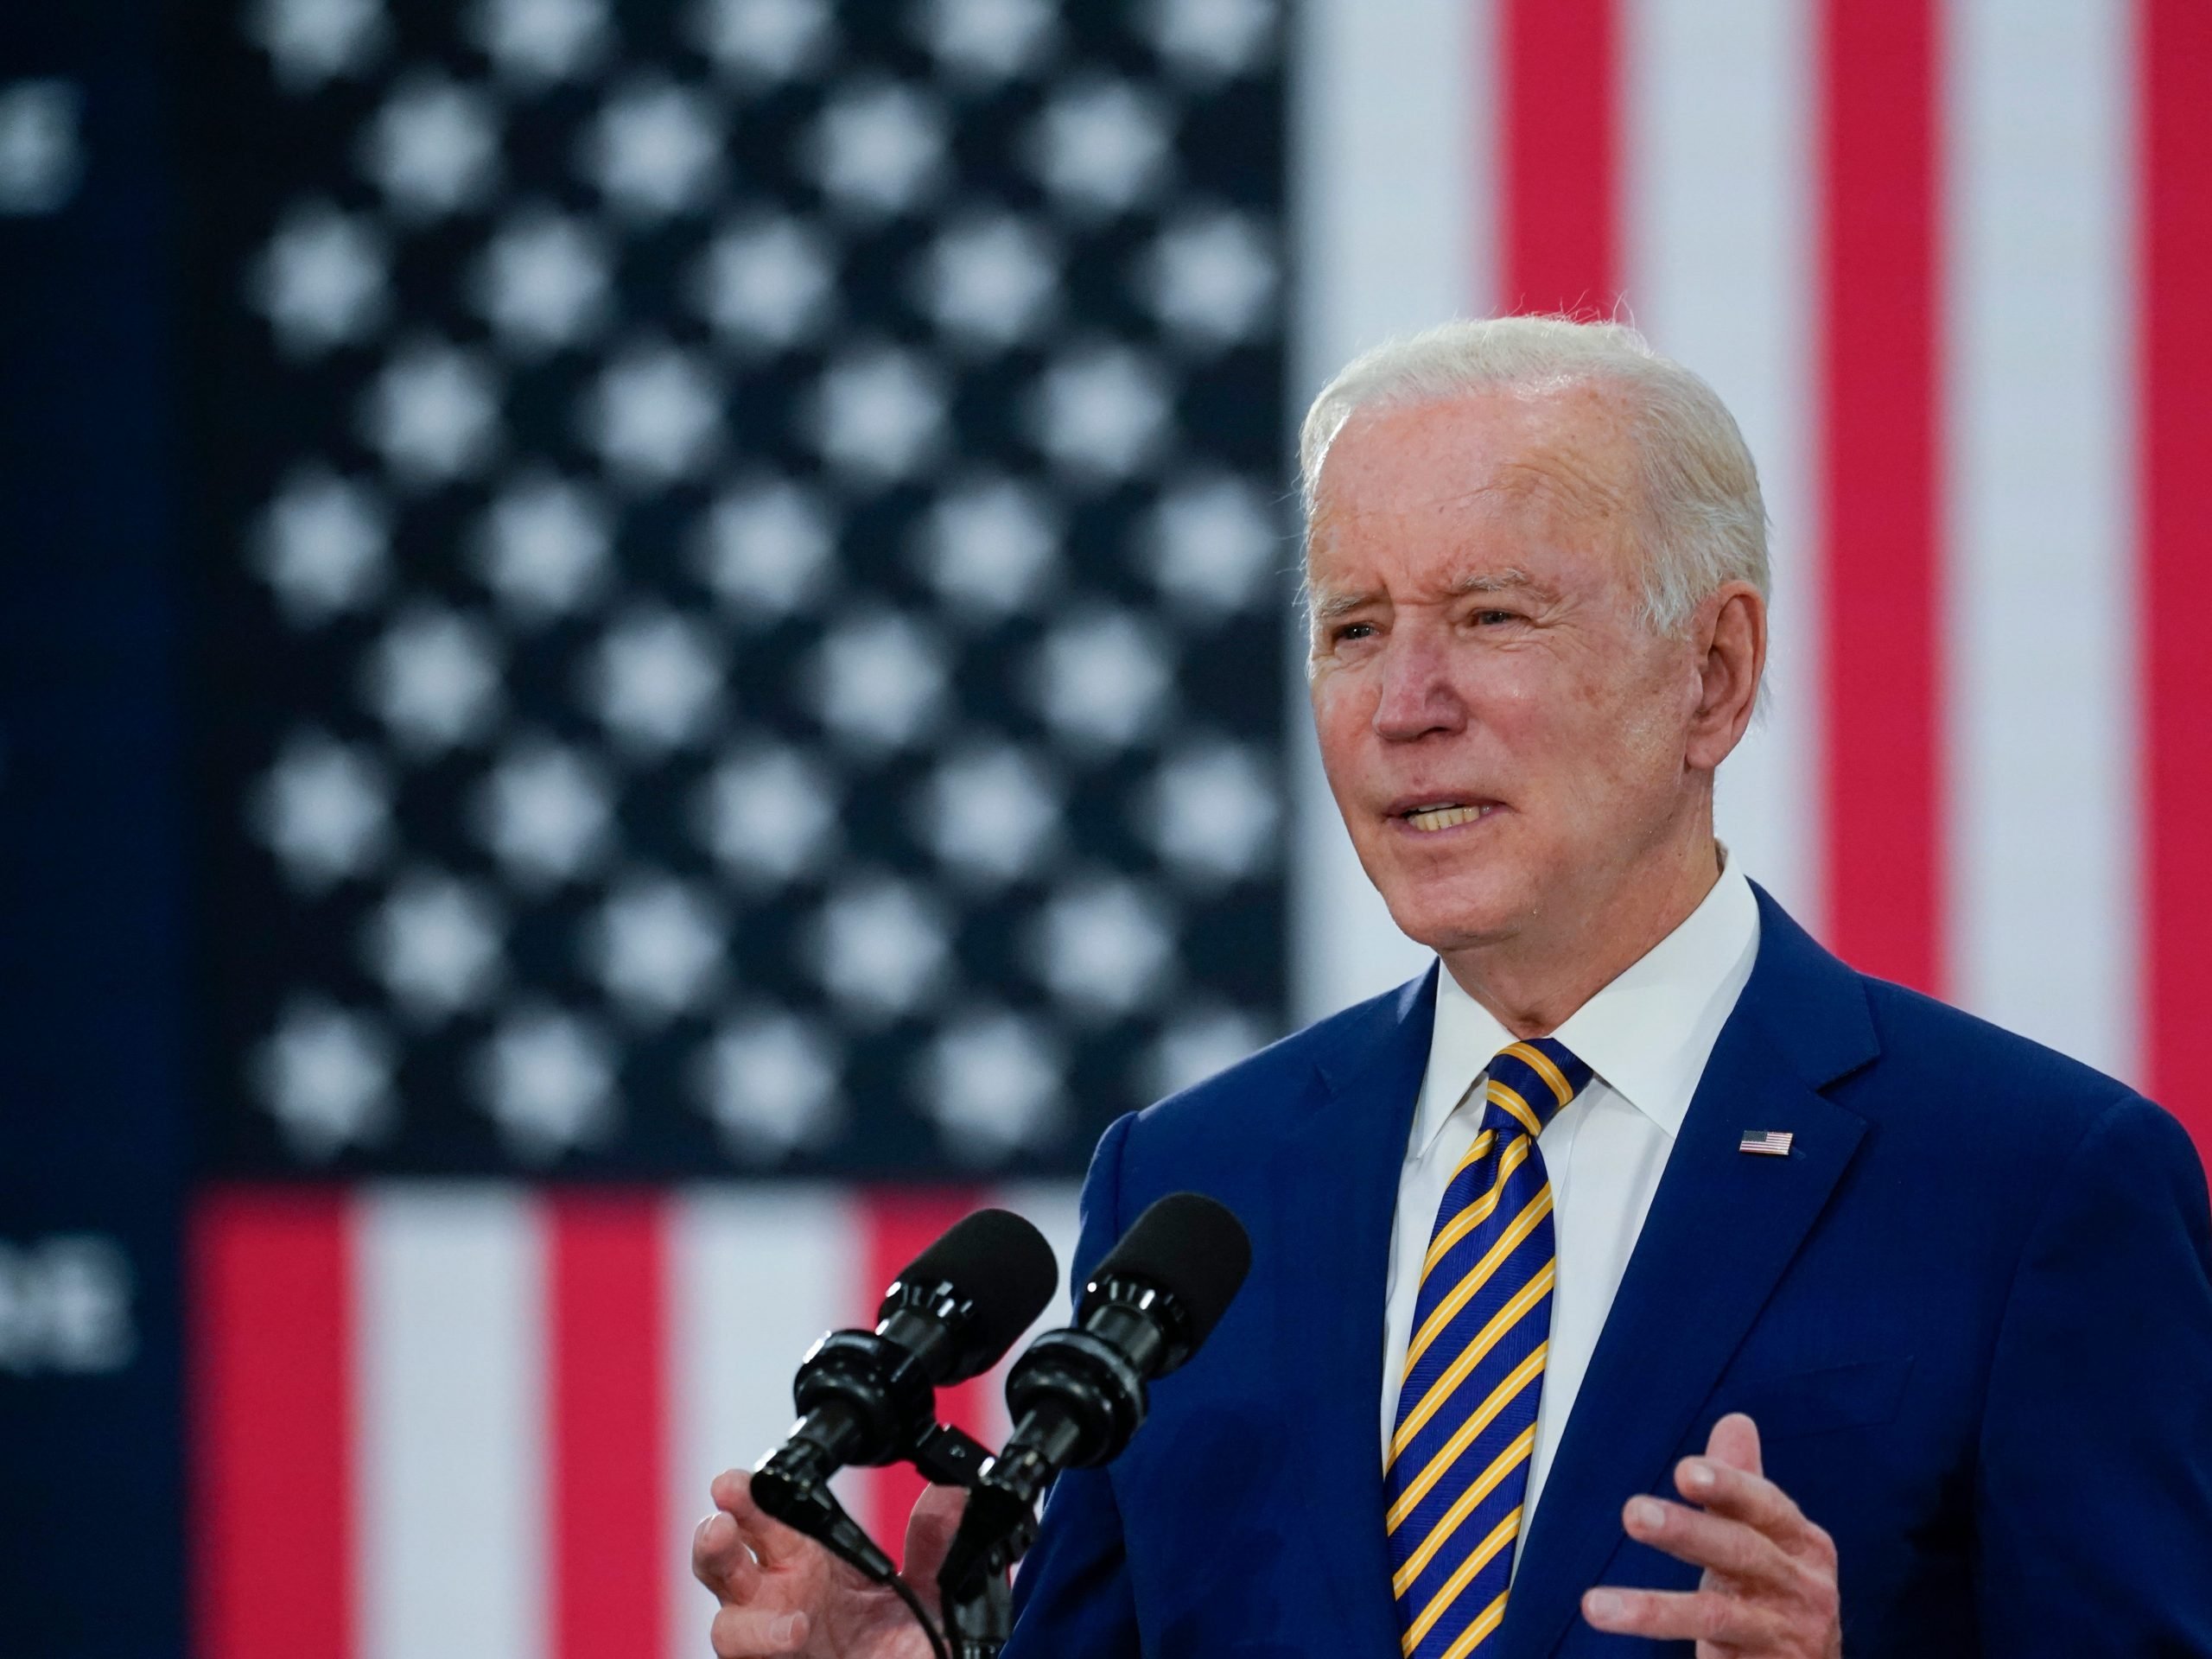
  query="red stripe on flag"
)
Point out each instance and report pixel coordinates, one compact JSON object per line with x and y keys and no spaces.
{"x":272,"y":1415}
{"x":1879,"y":460}
{"x":606,"y":1318}
{"x":902,"y":1223}
{"x":2174,"y":39}
{"x":1559,"y":218}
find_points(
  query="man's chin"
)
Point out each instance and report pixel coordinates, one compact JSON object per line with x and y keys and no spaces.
{"x":1459,"y":919}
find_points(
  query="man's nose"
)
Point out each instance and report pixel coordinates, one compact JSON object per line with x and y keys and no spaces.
{"x":1417,"y":696}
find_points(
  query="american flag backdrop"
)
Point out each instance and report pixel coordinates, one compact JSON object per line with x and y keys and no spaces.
{"x":748,"y":689}
{"x":744,"y":556}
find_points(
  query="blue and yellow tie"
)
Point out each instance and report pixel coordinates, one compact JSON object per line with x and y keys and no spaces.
{"x":1458,"y":1459}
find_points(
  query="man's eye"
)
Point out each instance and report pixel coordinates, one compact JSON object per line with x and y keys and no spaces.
{"x":1346,"y":631}
{"x":1489,"y":618}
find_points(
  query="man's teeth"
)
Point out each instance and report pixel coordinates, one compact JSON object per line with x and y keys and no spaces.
{"x":1443,"y":818}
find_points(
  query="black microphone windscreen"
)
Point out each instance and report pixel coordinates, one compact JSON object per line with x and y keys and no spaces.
{"x":1191,"y":1247}
{"x":999,"y":1262}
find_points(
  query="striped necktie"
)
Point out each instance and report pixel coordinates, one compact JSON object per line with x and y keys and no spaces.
{"x":1458,"y":1459}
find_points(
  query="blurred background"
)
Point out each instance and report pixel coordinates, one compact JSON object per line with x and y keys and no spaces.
{"x":647,"y":646}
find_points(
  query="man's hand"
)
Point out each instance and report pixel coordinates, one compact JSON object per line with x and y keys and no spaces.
{"x":1770,"y":1586}
{"x":783,"y":1593}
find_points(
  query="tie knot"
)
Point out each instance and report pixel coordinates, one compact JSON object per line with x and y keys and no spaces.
{"x":1530,"y":1081}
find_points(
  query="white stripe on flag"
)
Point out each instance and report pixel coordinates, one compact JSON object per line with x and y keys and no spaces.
{"x":758,"y":1272}
{"x":2041,"y":605}
{"x":1393,"y":181}
{"x":451,"y":1445}
{"x":1392,"y":172}
{"x":1717,"y":191}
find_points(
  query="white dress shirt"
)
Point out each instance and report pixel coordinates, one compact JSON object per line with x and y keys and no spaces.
{"x":1647,"y":1036}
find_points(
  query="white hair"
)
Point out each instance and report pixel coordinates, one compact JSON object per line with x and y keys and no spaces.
{"x":1705,"y":521}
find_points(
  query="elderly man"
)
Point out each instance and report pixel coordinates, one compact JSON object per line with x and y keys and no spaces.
{"x":1641,"y":1270}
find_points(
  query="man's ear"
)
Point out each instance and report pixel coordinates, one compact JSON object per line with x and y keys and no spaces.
{"x":1731,"y":645}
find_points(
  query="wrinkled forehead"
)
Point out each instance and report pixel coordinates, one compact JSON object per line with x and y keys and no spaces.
{"x":1559,"y":466}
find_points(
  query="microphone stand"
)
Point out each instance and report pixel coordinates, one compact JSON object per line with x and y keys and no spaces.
{"x":979,"y":1623}
{"x":980,"y":1620}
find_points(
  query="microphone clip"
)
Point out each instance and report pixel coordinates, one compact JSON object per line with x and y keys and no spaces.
{"x":950,"y":1456}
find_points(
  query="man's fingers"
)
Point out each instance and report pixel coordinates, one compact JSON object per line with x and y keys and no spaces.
{"x":721,"y":1561}
{"x":768,"y":1538}
{"x":749,"y":1633}
{"x":1676,"y":1615}
{"x":1741,"y":1552}
{"x":1741,"y":1496}
{"x":1735,"y":1441}
{"x":930,"y":1530}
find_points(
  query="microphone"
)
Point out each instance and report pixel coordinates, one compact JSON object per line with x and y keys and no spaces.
{"x":1078,"y":1393}
{"x":867,"y":1396}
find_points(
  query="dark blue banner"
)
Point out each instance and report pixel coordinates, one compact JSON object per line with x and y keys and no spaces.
{"x":93,"y":1116}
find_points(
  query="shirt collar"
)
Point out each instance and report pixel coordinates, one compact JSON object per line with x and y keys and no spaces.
{"x":1648,"y":1033}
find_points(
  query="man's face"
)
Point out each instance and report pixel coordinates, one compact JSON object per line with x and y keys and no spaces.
{"x":1503,"y":732}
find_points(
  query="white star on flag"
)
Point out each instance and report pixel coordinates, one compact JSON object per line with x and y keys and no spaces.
{"x":989,"y":547}
{"x":542,"y":282}
{"x":1100,"y":680}
{"x":1211,"y":543}
{"x":655,"y":945}
{"x":433,"y":413}
{"x":320,"y":281}
{"x":769,"y":1082}
{"x":1102,"y":946}
{"x":879,"y":681}
{"x":324,"y":809}
{"x":325,"y":1074}
{"x":654,"y":416}
{"x":990,"y":814}
{"x":542,"y":547}
{"x":547,"y":1079}
{"x":435,"y":943}
{"x":989,"y":281}
{"x":878,"y":413}
{"x":763,"y":40}
{"x":880,"y":947}
{"x":1100,"y":412}
{"x":433,"y":678}
{"x":765,"y":549}
{"x":1211,"y":811}
{"x":987,"y":39}
{"x":1196,"y":1044}
{"x":1210,"y":278}
{"x":545,"y":812}
{"x":1213,"y":39}
{"x":655,"y":148}
{"x":654,"y":680}
{"x":309,"y":41}
{"x":321,"y":545}
{"x":765,"y":283}
{"x":992,"y":1085}
{"x":1100,"y":146}
{"x":878,"y":148}
{"x":768,"y":814}
{"x":434,"y":147}
{"x":540,"y":43}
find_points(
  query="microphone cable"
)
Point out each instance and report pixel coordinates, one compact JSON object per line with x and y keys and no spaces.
{"x":939,"y":1649}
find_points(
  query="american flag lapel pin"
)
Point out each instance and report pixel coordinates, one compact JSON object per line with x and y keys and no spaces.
{"x":1767,"y":1143}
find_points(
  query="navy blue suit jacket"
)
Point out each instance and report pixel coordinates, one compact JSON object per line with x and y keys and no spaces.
{"x":1970,"y":1312}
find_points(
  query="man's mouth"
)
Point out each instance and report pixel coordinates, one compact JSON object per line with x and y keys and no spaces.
{"x":1431,"y":816}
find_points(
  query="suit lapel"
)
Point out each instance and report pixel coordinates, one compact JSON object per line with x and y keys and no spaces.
{"x":1337,"y":1177}
{"x":1722,"y":1228}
